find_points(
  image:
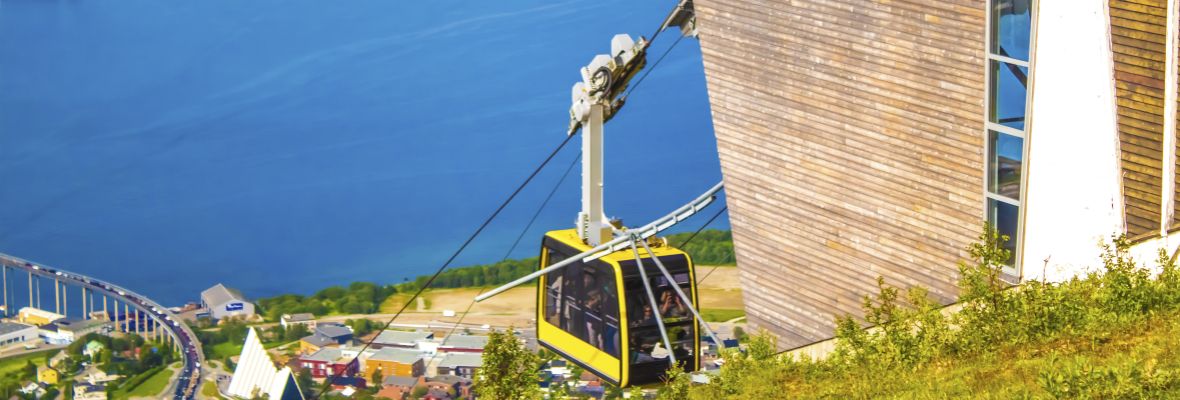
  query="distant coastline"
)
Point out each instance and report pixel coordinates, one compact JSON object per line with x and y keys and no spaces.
{"x":711,"y":247}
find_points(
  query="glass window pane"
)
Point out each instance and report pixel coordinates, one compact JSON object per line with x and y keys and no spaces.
{"x":1008,"y":94}
{"x":1011,"y":23}
{"x":1004,"y":164}
{"x":1004,"y":217}
{"x":554,"y":283}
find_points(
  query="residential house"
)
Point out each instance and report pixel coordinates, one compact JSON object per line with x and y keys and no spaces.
{"x":329,"y":361}
{"x":455,"y":384}
{"x":90,"y":391}
{"x":461,"y":386}
{"x":92,"y":348}
{"x":325,"y":335}
{"x":460,"y":364}
{"x":401,"y":339}
{"x":305,"y":319}
{"x":342,"y":382}
{"x":392,"y":361}
{"x":48,"y":375}
{"x":399,"y":387}
{"x":35,"y":389}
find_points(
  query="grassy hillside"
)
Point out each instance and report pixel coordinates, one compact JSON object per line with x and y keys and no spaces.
{"x":1113,"y":334}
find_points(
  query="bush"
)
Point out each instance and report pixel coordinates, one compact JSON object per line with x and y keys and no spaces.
{"x":904,"y":338}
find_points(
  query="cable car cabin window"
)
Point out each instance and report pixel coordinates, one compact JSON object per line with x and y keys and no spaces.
{"x":582,"y":300}
{"x":646,"y":344}
{"x":554,"y":281}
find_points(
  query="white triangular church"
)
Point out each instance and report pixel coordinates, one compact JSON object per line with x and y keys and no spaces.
{"x":256,"y":374}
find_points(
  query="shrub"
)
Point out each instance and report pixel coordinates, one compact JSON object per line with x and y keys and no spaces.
{"x":904,"y":337}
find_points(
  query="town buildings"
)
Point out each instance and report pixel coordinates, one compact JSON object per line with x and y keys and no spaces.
{"x":290,"y":320}
{"x":875,"y":138}
{"x":402,"y":339}
{"x":392,"y":361}
{"x":325,"y":335}
{"x":36,"y":316}
{"x":460,"y":364}
{"x":14,"y":333}
{"x":330,"y":361}
{"x":221,"y":302}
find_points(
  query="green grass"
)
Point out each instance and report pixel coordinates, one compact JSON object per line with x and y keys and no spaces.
{"x":150,"y":387}
{"x":721,"y":315}
{"x":209,"y":391}
{"x":12,"y":365}
{"x":227,"y":349}
{"x":230,"y":349}
{"x":1012,"y":372}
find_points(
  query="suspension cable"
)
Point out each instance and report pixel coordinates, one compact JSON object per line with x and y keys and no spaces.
{"x":541,"y":208}
{"x":486,"y":222}
{"x":454,"y":255}
{"x":653,"y":66}
{"x":694,"y":236}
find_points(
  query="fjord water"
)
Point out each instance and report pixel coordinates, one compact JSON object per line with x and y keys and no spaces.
{"x":284,"y":146}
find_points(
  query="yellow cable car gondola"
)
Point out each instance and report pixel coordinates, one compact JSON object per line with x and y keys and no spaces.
{"x":623,"y":315}
{"x":598,"y":313}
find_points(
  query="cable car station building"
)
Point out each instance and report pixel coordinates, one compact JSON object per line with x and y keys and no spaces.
{"x":866,"y":138}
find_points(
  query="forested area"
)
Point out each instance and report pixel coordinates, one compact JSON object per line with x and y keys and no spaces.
{"x":710,"y":247}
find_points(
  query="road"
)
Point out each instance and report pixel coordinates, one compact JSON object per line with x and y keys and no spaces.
{"x":188,"y":379}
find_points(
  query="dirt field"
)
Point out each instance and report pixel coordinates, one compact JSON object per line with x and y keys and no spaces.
{"x":718,"y":290}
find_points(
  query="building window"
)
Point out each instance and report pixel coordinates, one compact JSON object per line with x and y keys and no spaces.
{"x":1009,"y":34}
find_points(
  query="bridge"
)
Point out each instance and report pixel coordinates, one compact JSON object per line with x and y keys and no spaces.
{"x":150,"y":318}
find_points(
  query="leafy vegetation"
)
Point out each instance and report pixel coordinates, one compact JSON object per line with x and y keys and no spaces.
{"x":15,"y":369}
{"x":509,"y":370}
{"x":148,"y":384}
{"x":721,"y":314}
{"x":357,"y":298}
{"x":1110,"y":334}
{"x":710,"y":247}
{"x":227,"y":340}
{"x":477,"y":275}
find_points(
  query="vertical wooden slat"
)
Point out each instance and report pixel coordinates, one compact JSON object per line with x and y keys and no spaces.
{"x":1138,"y":39}
{"x":851,"y":137}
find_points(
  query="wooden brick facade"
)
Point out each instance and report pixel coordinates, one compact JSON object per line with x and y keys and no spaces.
{"x":851,"y":141}
{"x":1138,"y":31}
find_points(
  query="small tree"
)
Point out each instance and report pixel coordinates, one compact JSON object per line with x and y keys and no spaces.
{"x":509,"y":370}
{"x":30,"y":370}
{"x":376,"y":378}
{"x":676,"y":384}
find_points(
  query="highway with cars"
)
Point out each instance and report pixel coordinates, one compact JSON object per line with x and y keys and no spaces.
{"x":186,"y":382}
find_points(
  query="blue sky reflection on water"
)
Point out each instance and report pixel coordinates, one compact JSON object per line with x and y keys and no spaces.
{"x":285,"y":146}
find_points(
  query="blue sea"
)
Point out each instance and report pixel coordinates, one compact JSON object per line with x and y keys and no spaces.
{"x":285,"y":146}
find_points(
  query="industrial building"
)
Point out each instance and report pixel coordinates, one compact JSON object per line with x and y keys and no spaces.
{"x":221,"y":302}
{"x":875,"y":138}
{"x":13,"y":333}
{"x":36,"y":316}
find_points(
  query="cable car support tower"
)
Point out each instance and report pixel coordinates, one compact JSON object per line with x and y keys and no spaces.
{"x":595,"y":100}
